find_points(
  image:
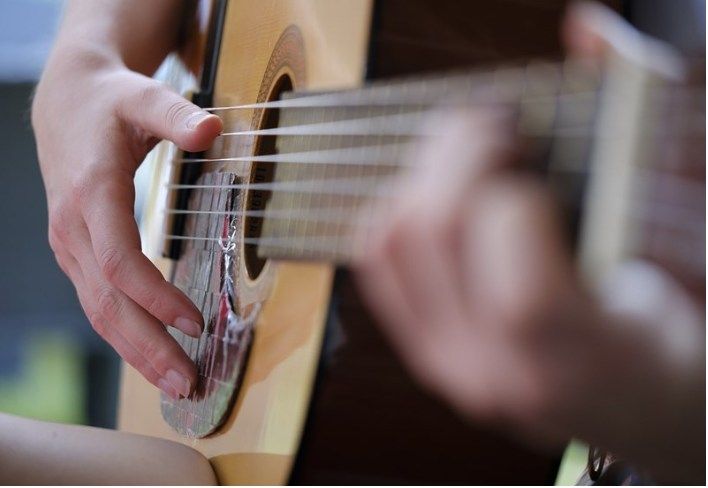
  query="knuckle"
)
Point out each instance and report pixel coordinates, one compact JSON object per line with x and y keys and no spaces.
{"x":93,"y":181}
{"x":82,"y":188}
{"x":133,"y":357}
{"x":177,"y":111}
{"x":155,"y":352}
{"x":149,"y":93}
{"x":109,"y":306}
{"x":36,"y":109}
{"x":54,"y":237}
{"x":62,"y":263}
{"x":98,"y":323}
{"x":155,"y":305}
{"x":111,"y":262}
{"x":83,"y":193}
{"x":60,"y":216}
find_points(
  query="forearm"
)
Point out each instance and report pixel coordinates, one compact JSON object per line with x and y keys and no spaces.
{"x":39,"y":453}
{"x":134,"y":33}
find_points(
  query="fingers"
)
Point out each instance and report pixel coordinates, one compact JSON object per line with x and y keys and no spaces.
{"x":419,"y":238}
{"x":593,"y":32}
{"x":137,"y":336}
{"x":92,"y":226}
{"x":467,"y":248}
{"x":423,"y":234}
{"x":141,"y":340}
{"x":409,"y":275}
{"x":515,"y":247}
{"x":164,"y":114}
{"x":116,"y":245}
{"x":588,"y":28}
{"x":113,"y":336}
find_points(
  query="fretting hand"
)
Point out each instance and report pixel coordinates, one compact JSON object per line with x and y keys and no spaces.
{"x":473,"y":283}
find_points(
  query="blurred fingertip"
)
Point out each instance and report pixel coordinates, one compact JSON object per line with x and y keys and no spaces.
{"x":582,"y":27}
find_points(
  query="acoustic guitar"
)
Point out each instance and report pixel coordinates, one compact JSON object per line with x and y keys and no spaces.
{"x":321,"y":102}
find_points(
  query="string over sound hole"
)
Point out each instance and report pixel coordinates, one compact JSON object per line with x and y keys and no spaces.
{"x":262,"y":172}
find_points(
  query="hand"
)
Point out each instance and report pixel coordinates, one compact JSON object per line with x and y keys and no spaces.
{"x":95,"y":120}
{"x":471,"y":277}
{"x":474,"y":284}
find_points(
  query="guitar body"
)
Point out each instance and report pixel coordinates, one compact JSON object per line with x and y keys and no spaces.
{"x":259,"y":441}
{"x":322,"y":398}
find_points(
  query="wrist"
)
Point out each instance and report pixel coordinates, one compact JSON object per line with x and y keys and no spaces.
{"x":84,"y":57}
{"x":71,"y":68}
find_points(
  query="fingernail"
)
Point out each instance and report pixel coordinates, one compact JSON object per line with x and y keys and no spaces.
{"x":189,"y":327}
{"x":194,"y":119}
{"x":167,"y":388}
{"x":179,"y":382}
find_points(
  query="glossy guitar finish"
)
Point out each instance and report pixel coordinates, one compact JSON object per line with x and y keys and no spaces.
{"x":322,"y":398}
{"x":260,"y":439}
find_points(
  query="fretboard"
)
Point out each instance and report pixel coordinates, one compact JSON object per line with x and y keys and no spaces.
{"x":340,"y":155}
{"x":325,"y":164}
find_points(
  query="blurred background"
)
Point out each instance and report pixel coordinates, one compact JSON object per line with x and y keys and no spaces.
{"x":52,"y":365}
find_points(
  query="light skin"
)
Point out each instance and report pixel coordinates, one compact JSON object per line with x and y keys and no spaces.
{"x":472,"y":280}
{"x":44,"y":453}
{"x":96,"y":114}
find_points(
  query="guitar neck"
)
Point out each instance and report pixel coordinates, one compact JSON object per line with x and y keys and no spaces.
{"x":326,"y":162}
{"x":340,"y":154}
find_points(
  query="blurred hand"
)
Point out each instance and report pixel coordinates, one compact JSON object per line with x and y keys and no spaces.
{"x":472,"y":280}
{"x":95,"y":120}
{"x":474,"y":284}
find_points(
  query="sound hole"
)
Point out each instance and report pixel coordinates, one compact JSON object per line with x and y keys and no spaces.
{"x":262,"y":172}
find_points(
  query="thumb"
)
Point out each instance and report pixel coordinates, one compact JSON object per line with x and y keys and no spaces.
{"x":155,"y":108}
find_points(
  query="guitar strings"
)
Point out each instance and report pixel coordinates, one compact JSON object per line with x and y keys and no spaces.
{"x":405,"y":99}
{"x":677,"y":216}
{"x":409,"y":124}
{"x":392,"y":126}
{"x":681,"y":216}
{"x":399,"y":125}
{"x":341,"y":243}
{"x":357,"y":155}
{"x":323,"y":215}
{"x":454,"y":95}
{"x":321,"y":244}
{"x":334,"y":186}
{"x":375,"y":184}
